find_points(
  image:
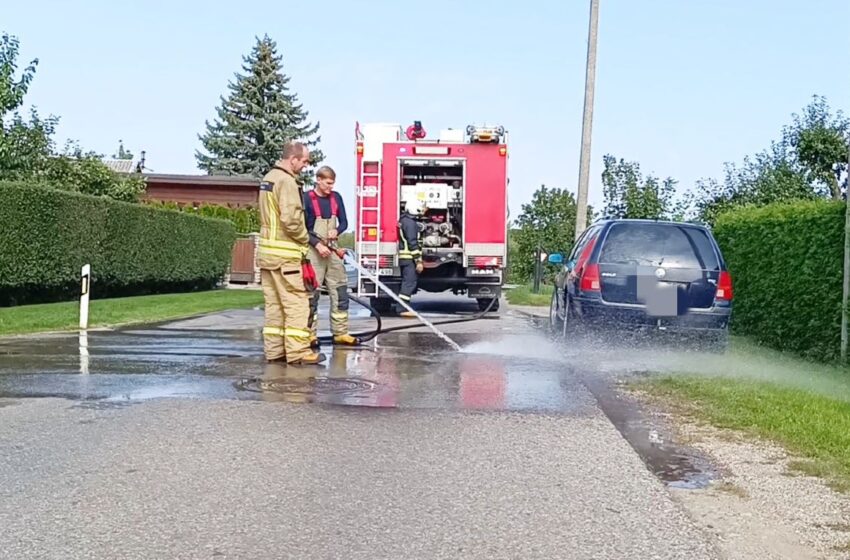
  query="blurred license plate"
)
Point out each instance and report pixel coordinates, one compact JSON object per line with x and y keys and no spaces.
{"x":386,"y":272}
{"x":662,"y":300}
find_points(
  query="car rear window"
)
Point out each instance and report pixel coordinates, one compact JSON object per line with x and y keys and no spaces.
{"x":671,"y":245}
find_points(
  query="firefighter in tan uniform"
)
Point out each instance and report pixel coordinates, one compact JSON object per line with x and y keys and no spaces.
{"x":281,"y":256}
{"x":326,"y":220}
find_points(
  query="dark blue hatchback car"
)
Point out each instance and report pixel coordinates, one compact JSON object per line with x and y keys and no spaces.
{"x":644,"y":275}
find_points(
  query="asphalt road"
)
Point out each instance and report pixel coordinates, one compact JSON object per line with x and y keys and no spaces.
{"x":176,"y":442}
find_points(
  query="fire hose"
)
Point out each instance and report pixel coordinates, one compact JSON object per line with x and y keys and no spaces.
{"x":379,"y":329}
{"x":369,"y":335}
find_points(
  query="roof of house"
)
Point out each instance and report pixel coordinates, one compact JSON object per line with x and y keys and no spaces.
{"x":231,"y":180}
{"x":121,"y":165}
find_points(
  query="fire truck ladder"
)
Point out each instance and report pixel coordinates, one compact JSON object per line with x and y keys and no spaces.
{"x":369,"y":252}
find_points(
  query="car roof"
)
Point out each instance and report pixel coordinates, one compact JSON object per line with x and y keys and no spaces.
{"x":610,"y":221}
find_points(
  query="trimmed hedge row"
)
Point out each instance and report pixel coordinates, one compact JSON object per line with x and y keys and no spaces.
{"x":47,"y":235}
{"x":245,"y":220}
{"x":786,"y":262}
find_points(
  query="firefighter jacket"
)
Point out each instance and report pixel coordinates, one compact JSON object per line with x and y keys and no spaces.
{"x":283,"y":233}
{"x":408,"y":239}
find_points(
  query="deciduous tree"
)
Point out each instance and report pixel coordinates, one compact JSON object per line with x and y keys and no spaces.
{"x":548,"y":222}
{"x":809,"y":161}
{"x":27,"y":151}
{"x":629,"y":195}
{"x":818,"y":141}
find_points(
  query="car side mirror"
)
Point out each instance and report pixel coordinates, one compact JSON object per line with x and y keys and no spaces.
{"x":556,"y":258}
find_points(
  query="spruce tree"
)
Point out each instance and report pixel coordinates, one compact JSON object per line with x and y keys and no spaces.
{"x":257,"y":118}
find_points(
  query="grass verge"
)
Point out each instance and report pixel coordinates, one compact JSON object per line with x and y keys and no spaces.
{"x":812,"y":426}
{"x":122,"y":311}
{"x":522,"y":295}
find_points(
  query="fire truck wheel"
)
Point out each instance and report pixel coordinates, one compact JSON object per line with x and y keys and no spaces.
{"x":483,"y":303}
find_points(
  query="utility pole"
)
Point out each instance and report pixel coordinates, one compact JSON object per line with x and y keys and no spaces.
{"x":535,"y":288}
{"x":845,"y":298}
{"x":587,"y":124}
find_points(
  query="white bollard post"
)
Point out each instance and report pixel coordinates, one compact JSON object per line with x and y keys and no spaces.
{"x":85,"y":290}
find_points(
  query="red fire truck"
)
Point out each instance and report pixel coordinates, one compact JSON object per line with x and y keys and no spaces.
{"x":462,"y":178}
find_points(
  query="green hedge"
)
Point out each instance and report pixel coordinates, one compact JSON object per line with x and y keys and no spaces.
{"x":245,"y":220}
{"x":48,"y":234}
{"x":786,"y":262}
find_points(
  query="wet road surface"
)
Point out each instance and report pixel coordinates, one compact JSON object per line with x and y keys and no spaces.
{"x":176,"y":441}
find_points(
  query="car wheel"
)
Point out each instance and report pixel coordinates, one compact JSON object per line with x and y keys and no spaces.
{"x":570,"y":328}
{"x":568,"y":323}
{"x":554,"y":321}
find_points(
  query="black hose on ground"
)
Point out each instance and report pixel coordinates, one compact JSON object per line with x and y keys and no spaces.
{"x":369,"y":335}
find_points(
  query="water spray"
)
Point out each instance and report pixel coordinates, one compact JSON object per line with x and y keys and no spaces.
{"x":404,"y":304}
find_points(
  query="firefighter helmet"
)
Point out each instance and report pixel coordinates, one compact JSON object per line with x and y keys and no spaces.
{"x":415,"y":207}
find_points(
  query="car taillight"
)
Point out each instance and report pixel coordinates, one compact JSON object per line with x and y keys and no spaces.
{"x":590,"y":279}
{"x":585,"y":254}
{"x":724,"y":287}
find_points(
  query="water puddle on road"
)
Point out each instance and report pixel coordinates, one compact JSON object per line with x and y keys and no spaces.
{"x":504,"y":367}
{"x":676,"y":465}
{"x":599,"y":363}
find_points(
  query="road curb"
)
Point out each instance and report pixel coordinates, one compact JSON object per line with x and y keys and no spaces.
{"x":530,"y":311}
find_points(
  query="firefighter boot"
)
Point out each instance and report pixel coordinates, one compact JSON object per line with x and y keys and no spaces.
{"x":312,"y":359}
{"x":401,"y":311}
{"x":346,"y":340}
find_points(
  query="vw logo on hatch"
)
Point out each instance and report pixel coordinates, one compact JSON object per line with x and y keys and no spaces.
{"x":660,"y":273}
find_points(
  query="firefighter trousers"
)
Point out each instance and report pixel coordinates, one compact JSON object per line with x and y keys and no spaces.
{"x":331,"y":273}
{"x":409,"y":279}
{"x":286,"y":334}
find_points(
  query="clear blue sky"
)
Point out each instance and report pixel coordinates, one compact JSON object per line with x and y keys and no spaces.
{"x":682,"y":85}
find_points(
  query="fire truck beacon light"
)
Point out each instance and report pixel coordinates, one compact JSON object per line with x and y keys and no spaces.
{"x":415,"y":131}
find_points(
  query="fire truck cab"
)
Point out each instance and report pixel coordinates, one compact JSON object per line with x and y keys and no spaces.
{"x":462,"y":178}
